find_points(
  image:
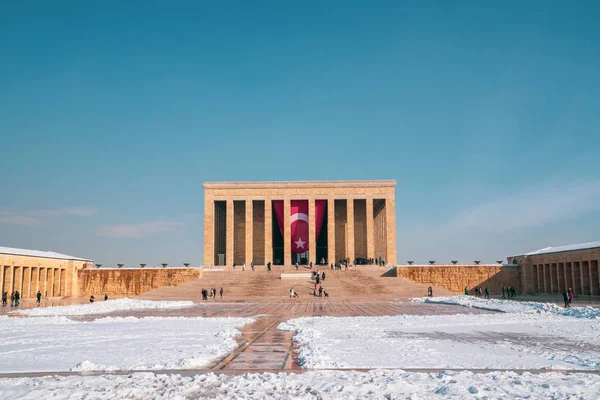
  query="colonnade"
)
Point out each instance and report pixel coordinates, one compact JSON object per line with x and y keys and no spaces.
{"x":376,"y":236}
{"x":51,"y":281}
{"x":582,"y":276}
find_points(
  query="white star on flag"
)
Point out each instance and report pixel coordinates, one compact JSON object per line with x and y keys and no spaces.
{"x":300,"y":243}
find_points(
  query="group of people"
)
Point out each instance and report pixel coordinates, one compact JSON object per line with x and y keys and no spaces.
{"x":212,"y":293}
{"x":251,"y":266}
{"x":568,"y":297}
{"x":318,"y":277}
{"x":15,"y":298}
{"x":93,"y":298}
{"x":478,"y":293}
{"x":339,"y":265}
{"x":509,"y":292}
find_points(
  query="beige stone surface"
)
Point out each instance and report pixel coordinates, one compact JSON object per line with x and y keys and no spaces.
{"x":457,"y":277}
{"x":229,"y":253}
{"x":356,"y":236}
{"x":312,"y":234}
{"x":370,"y":229}
{"x":554,"y":272}
{"x":331,"y":230}
{"x":209,"y":231}
{"x":53,"y":277}
{"x":287,"y":235}
{"x":268,"y":232}
{"x":132,"y":282}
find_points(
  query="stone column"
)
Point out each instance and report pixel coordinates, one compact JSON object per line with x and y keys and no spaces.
{"x":350,"y":229}
{"x":2,"y":283}
{"x":209,"y":231}
{"x":50,"y":281}
{"x":59,"y":286}
{"x":249,"y":234}
{"x":287,"y":233}
{"x":19,"y":279}
{"x":229,"y":233}
{"x":565,"y":275}
{"x":573,"y":276}
{"x":35,"y":279}
{"x":593,"y":285}
{"x":581,"y":277}
{"x":390,"y":223}
{"x":42,"y":280}
{"x":26,"y":282}
{"x":331,"y":230}
{"x":312,"y":232}
{"x":544,"y":273}
{"x":268,"y":231}
{"x":10,"y":279}
{"x":370,"y":229}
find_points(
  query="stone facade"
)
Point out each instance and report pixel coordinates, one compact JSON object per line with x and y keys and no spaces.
{"x":238,"y":220}
{"x":28,"y":274}
{"x":457,"y":277}
{"x":131,"y":282}
{"x":551,"y":273}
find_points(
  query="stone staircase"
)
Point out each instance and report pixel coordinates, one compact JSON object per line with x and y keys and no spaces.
{"x":362,"y":283}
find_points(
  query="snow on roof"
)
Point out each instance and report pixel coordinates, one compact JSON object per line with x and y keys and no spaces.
{"x":39,"y":253}
{"x":570,"y":247}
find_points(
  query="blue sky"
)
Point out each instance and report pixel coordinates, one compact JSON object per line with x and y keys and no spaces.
{"x":113,"y":113}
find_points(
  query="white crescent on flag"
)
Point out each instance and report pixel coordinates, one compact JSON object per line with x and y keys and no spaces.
{"x":298,"y":217}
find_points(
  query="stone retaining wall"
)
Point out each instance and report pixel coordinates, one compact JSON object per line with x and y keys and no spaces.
{"x":131,"y":282}
{"x":457,"y":277}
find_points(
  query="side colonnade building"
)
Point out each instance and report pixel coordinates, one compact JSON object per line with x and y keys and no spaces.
{"x":553,"y":269}
{"x":27,"y":271}
{"x":288,"y":222}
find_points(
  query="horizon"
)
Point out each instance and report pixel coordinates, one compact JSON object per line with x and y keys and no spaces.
{"x":113,"y":115}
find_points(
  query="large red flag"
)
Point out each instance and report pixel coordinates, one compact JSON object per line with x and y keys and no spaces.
{"x":299,"y":221}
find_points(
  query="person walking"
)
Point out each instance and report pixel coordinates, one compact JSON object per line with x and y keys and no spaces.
{"x":486,"y":293}
{"x":570,"y":294}
{"x":466,"y":291}
{"x":105,"y":297}
{"x":4,"y":298}
{"x":565,"y":298}
{"x":296,"y":265}
{"x":38,"y":297}
{"x":430,"y":291}
{"x":503,"y":292}
{"x":221,"y":292}
{"x":269,"y":266}
{"x":323,"y":276}
{"x":17,"y":298}
{"x":311,"y":265}
{"x":320,"y":291}
{"x":252,"y":265}
{"x":243,"y":266}
{"x":92,"y":298}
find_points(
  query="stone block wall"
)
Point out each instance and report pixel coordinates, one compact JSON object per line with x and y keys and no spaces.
{"x":457,"y":277}
{"x":131,"y":282}
{"x":28,"y":274}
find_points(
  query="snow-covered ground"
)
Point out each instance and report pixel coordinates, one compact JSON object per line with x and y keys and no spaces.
{"x":512,"y":306}
{"x":61,"y":344}
{"x":527,"y":339}
{"x":104,"y":307}
{"x":380,"y":384}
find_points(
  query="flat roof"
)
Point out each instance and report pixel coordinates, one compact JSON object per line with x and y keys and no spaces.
{"x":298,"y":184}
{"x":39,"y":253}
{"x":569,"y":247}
